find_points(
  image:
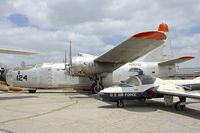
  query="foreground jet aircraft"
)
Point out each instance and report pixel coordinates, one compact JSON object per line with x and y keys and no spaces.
{"x":146,"y":87}
{"x":87,"y":69}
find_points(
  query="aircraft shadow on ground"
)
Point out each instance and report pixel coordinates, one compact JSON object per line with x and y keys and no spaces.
{"x":17,"y":97}
{"x":64,"y":92}
{"x":151,"y":106}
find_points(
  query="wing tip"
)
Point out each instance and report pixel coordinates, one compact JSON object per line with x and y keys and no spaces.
{"x":153,"y":35}
{"x":187,"y":57}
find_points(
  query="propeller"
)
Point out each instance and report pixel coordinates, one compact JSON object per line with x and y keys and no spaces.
{"x":3,"y":70}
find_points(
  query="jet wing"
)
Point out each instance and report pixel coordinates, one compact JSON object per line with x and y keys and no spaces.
{"x":133,"y":48}
{"x":177,"y":60}
{"x":175,"y":90}
{"x":9,"y":51}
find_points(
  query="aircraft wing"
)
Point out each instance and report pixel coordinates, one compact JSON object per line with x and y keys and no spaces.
{"x":133,"y":48}
{"x":177,"y":60}
{"x":175,"y":90}
{"x":9,"y":51}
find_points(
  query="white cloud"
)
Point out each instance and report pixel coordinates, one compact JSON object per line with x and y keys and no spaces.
{"x":188,"y":46}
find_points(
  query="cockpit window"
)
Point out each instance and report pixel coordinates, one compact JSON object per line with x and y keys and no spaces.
{"x":27,"y":67}
{"x":124,"y":85}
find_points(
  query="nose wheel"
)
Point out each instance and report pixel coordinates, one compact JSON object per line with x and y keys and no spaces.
{"x":120,"y":104}
{"x":179,"y":106}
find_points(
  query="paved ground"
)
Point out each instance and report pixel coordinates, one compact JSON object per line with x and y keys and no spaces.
{"x":63,"y":112}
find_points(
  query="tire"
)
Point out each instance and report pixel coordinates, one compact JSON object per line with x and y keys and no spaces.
{"x":179,"y":107}
{"x":32,"y":91}
{"x":94,"y":89}
{"x":120,"y":104}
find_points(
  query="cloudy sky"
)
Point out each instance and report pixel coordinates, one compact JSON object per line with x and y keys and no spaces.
{"x":94,"y":26}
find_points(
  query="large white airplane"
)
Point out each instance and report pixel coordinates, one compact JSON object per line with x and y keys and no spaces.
{"x":87,"y":71}
{"x":146,"y":87}
{"x":84,"y":69}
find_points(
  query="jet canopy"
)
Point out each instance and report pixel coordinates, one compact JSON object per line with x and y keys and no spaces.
{"x":140,"y":80}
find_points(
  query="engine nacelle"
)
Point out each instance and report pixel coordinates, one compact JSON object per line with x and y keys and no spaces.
{"x":84,"y":65}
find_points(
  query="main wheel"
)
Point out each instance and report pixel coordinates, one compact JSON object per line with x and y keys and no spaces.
{"x":179,"y":107}
{"x":96,"y":88}
{"x":32,"y":91}
{"x":120,"y":104}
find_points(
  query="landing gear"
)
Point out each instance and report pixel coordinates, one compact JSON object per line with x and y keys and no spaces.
{"x":120,"y":104}
{"x":95,"y":88}
{"x":97,"y":85}
{"x":179,"y":106}
{"x":32,"y":91}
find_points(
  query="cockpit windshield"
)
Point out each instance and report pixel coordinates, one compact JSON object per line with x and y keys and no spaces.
{"x":144,"y":79}
{"x":124,"y":85}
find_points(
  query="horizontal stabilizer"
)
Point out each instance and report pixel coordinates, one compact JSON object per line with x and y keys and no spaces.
{"x":9,"y":51}
{"x":136,"y":46}
{"x":175,"y":61}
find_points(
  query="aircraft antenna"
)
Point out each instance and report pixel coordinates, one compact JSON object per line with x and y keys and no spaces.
{"x":65,"y":60}
{"x":70,"y":53}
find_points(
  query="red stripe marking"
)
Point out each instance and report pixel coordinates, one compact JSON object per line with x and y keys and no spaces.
{"x":154,"y":35}
{"x":186,"y":57}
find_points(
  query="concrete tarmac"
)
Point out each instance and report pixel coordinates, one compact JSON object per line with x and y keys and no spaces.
{"x":58,"y":111}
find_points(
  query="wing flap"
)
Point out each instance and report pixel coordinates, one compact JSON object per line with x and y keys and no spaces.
{"x":175,"y":61}
{"x":134,"y":47}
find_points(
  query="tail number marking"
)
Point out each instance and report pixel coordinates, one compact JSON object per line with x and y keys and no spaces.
{"x":20,"y":77}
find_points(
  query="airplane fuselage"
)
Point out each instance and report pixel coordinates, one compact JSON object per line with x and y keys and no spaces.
{"x":53,"y":75}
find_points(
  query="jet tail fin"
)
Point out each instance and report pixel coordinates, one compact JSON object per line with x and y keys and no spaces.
{"x":175,"y":61}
